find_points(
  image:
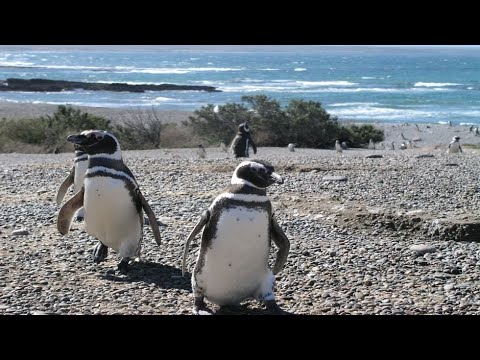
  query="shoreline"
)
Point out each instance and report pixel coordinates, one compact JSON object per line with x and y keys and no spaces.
{"x":431,"y":134}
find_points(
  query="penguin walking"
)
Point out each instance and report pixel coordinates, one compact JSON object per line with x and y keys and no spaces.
{"x":242,"y":141}
{"x":112,"y":200}
{"x":238,"y":227}
{"x":75,"y":177}
{"x":291,"y":147}
{"x":338,"y":147}
{"x":454,"y":147}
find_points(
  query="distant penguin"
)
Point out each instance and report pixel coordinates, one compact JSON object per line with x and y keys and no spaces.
{"x":223,"y":146}
{"x":454,"y":146}
{"x":215,"y":109}
{"x":291,"y":147}
{"x":242,"y":141}
{"x":477,"y":133}
{"x":371,"y":145}
{"x":112,"y":199}
{"x":403,"y":146}
{"x":75,"y":177}
{"x":344,"y":145}
{"x":393,"y":146}
{"x":201,"y":152}
{"x":382,"y":146}
{"x":238,"y":227}
{"x":470,"y":129}
{"x":450,"y":123}
{"x":338,"y":147}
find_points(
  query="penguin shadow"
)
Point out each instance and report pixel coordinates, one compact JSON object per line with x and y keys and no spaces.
{"x":244,"y":309}
{"x":163,"y":276}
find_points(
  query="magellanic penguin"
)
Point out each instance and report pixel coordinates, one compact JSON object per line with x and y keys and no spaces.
{"x":454,"y":146}
{"x":112,"y":199}
{"x":75,"y":177}
{"x":238,"y":227}
{"x":338,"y":147}
{"x":242,"y":141}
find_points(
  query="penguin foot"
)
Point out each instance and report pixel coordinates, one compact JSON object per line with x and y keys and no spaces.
{"x":200,"y":308}
{"x":273,"y":308}
{"x":100,"y":253}
{"x":123,"y":266}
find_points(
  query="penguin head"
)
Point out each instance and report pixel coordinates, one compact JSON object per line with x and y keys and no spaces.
{"x":244,"y":128}
{"x":456,"y":138}
{"x":257,"y":173}
{"x":96,"y":142}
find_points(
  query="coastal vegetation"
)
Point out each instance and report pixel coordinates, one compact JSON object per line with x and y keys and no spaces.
{"x":305,"y":123}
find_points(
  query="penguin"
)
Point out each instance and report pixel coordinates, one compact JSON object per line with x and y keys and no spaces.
{"x":338,"y":147}
{"x":112,"y":199}
{"x":344,"y":145}
{"x":477,"y":133}
{"x":201,"y":152}
{"x":454,"y":146}
{"x":238,"y":227}
{"x":291,"y":147}
{"x":75,"y":177}
{"x":371,"y":145}
{"x":393,"y":146}
{"x":242,"y":141}
{"x":223,"y":146}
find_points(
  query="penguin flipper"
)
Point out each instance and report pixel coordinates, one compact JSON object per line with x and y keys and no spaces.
{"x":200,"y":224}
{"x":65,"y":216}
{"x":62,"y":190}
{"x":151,"y":217}
{"x":283,"y":244}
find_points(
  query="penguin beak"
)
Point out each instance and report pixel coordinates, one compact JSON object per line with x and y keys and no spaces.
{"x":276,"y":178}
{"x":77,"y":139}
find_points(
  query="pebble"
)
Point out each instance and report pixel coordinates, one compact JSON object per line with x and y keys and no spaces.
{"x":20,"y":232}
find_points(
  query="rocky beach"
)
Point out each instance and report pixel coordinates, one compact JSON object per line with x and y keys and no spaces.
{"x":400,"y":234}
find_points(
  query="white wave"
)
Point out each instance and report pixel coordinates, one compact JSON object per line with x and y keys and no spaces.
{"x":326,"y":83}
{"x":368,"y":77}
{"x":355,"y":104}
{"x":269,"y":69}
{"x":296,"y":89}
{"x":15,"y":64}
{"x":467,"y":123}
{"x":470,"y":88}
{"x":299,"y":69}
{"x":434,"y":84}
{"x":182,"y":70}
{"x":443,"y":122}
{"x":164,"y":99}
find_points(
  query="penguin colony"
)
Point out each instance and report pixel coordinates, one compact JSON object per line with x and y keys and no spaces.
{"x":229,"y":269}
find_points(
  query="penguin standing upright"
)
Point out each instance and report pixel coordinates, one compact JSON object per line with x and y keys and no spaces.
{"x":75,"y":177}
{"x":112,"y":200}
{"x":338,"y":147}
{"x":242,"y":141}
{"x":238,"y":227}
{"x":291,"y":147}
{"x":454,"y":146}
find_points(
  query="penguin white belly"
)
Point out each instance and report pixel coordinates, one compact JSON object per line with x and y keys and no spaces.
{"x":454,"y":148}
{"x":236,"y":263}
{"x":111,"y":215}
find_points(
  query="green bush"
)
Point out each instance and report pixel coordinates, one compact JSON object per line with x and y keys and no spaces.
{"x":360,"y":135}
{"x":305,"y":123}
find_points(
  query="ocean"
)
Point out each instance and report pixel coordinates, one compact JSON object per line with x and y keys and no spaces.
{"x":395,"y":84}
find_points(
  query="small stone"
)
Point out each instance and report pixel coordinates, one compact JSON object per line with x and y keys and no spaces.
{"x":424,"y":156}
{"x":374,"y":156}
{"x":20,"y":232}
{"x":334,"y":178}
{"x":448,"y":286}
{"x":423,"y":248}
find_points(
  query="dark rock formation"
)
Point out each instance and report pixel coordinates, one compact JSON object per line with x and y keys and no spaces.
{"x":60,"y":85}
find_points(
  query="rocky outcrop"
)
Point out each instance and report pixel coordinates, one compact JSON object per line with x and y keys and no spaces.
{"x":60,"y":85}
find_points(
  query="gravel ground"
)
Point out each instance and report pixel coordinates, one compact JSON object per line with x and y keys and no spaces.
{"x":391,"y":239}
